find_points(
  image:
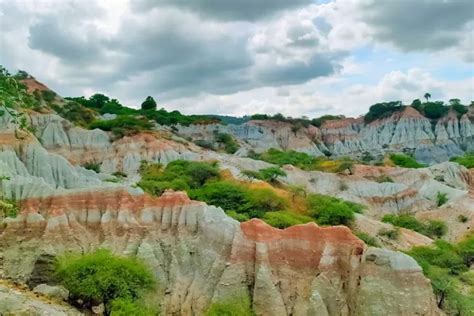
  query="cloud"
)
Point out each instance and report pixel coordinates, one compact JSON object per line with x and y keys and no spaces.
{"x":243,"y":10}
{"x":420,"y":25}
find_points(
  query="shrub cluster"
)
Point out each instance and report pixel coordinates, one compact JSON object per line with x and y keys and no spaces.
{"x":446,"y":265}
{"x":328,"y":210}
{"x":467,"y":160}
{"x":304,"y":161}
{"x":405,"y":161}
{"x":228,"y":142}
{"x":382,"y":110}
{"x":432,"y":228}
{"x":123,"y":125}
{"x":101,"y":277}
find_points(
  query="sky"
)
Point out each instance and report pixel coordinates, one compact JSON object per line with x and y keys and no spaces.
{"x":298,"y":57}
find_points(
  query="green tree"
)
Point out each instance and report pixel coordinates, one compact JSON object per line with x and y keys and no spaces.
{"x":149,"y":104}
{"x":272,"y":173}
{"x":101,"y":277}
{"x":427,"y":96}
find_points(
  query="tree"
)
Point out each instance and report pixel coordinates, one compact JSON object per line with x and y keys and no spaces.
{"x":427,"y":96}
{"x":149,"y":104}
{"x":98,"y":100}
{"x":272,"y":173}
{"x":101,"y":277}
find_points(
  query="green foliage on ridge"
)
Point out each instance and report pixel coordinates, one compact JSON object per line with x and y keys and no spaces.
{"x":467,"y":160}
{"x":432,"y":228}
{"x":405,"y":161}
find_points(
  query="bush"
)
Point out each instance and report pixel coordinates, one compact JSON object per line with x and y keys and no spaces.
{"x":318,"y":122}
{"x":233,"y":307}
{"x":443,"y":264}
{"x":127,"y":307}
{"x":229,"y":143}
{"x":435,"y":110}
{"x":178,"y":175}
{"x":405,"y":161}
{"x":382,"y":110}
{"x":284,"y":219}
{"x":227,"y":195}
{"x":101,"y":277}
{"x":291,"y":157}
{"x":123,"y":125}
{"x":149,"y":104}
{"x":329,"y":210}
{"x":369,"y":240}
{"x":8,"y":208}
{"x":467,"y":160}
{"x":431,"y":229}
{"x":271,"y":174}
{"x":441,"y":198}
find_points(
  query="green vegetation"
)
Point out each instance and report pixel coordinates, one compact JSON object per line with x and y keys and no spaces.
{"x":318,"y":122}
{"x":127,"y":307}
{"x":328,"y":210}
{"x":467,"y":160}
{"x":149,"y":104}
{"x":229,"y":143}
{"x":369,"y":240}
{"x":382,"y":110}
{"x":92,"y":165}
{"x":433,"y":228}
{"x":304,"y":161}
{"x":242,"y":200}
{"x":284,"y":219}
{"x":446,"y":265}
{"x":232,"y":307}
{"x":8,"y":208}
{"x":101,"y":277}
{"x":14,"y":95}
{"x":463,"y":218}
{"x":123,"y":125}
{"x":76,"y":113}
{"x":405,"y":161}
{"x":441,"y":198}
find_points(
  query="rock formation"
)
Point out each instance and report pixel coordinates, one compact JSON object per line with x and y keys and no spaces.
{"x":201,"y":256}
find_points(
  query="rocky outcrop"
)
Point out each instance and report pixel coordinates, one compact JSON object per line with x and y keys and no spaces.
{"x":20,"y":301}
{"x":260,"y":136}
{"x":201,"y":256}
{"x":405,"y":130}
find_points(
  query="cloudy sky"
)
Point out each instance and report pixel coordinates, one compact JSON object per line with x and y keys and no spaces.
{"x":298,"y":57}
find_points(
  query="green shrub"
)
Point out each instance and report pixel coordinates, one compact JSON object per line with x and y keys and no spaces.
{"x":252,"y":174}
{"x":382,"y":110}
{"x":92,"y":165}
{"x":435,"y":110}
{"x":241,"y":217}
{"x":466,"y":250}
{"x":101,"y":277}
{"x":123,"y":125}
{"x":178,"y":175}
{"x":405,"y":161}
{"x":329,"y":210}
{"x":8,"y":208}
{"x":229,"y":143}
{"x":291,"y":157}
{"x":369,"y":240}
{"x":263,"y":200}
{"x":432,"y":228}
{"x":204,"y":143}
{"x":127,"y":307}
{"x":318,"y":122}
{"x":444,"y":264}
{"x":467,"y":160}
{"x":227,"y":195}
{"x":271,"y":174}
{"x":441,"y":198}
{"x":149,"y":104}
{"x":284,"y":219}
{"x":232,"y":307}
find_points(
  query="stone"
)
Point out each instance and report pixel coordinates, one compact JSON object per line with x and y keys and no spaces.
{"x":57,"y":292}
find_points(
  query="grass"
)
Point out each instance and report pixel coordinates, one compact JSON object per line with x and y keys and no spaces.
{"x":405,"y":161}
{"x":433,"y":228}
{"x":467,"y":160}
